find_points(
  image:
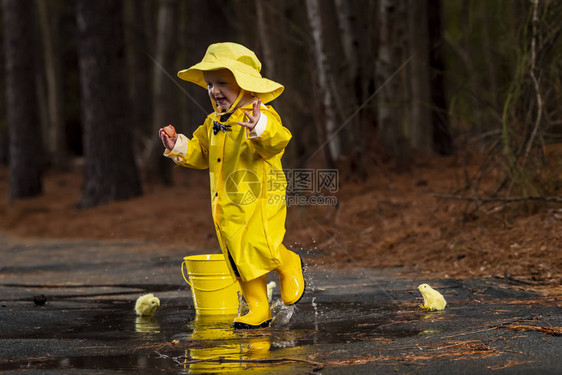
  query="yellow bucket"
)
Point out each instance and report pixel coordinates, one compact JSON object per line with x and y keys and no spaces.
{"x":214,"y":290}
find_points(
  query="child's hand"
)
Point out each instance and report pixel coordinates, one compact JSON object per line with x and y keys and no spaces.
{"x":168,"y":136}
{"x":254,"y":117}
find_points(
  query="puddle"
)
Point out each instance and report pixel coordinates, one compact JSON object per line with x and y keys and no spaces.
{"x":95,"y":329}
{"x":109,"y":326}
{"x":113,"y":363}
{"x":295,"y":340}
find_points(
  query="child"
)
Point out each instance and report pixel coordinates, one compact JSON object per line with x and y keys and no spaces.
{"x":241,"y":143}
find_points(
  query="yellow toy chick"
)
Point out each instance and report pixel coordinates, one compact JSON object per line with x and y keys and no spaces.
{"x":146,"y":305}
{"x":432,"y":299}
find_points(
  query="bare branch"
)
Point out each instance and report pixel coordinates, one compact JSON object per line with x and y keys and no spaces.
{"x":557,"y":198}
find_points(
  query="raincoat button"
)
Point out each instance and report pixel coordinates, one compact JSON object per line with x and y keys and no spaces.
{"x":216,"y":194}
{"x":219,"y":159}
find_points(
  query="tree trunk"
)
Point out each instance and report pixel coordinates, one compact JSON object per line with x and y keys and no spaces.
{"x":327,"y":108}
{"x":110,"y":172}
{"x":393,"y":116}
{"x":348,"y":90}
{"x":277,"y":53}
{"x":468,"y":54}
{"x":485,"y":20}
{"x":347,"y":38}
{"x":138,"y":31}
{"x":421,"y":130}
{"x":24,"y":127}
{"x":4,"y":146}
{"x":56,"y":140}
{"x":160,"y":168}
{"x":367,"y":47}
{"x":265,"y":42}
{"x":442,"y":140}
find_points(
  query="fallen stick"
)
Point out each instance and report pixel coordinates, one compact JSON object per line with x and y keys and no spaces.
{"x":503,"y":200}
{"x":510,"y":277}
{"x":491,"y":327}
{"x":188,"y":360}
{"x":556,"y":331}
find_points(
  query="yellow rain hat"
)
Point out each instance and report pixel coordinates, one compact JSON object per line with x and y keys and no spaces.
{"x":243,"y":64}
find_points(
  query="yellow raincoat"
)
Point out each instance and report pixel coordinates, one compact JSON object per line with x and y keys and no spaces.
{"x":247,"y":186}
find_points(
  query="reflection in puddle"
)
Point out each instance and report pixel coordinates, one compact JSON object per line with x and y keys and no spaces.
{"x":294,"y":335}
{"x":208,"y":330}
{"x":433,"y":315}
{"x":222,"y":349}
{"x":147,"y":324}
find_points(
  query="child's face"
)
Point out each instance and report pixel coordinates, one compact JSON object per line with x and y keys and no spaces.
{"x":222,"y":87}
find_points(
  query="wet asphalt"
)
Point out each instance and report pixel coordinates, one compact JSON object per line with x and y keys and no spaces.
{"x":360,"y":321}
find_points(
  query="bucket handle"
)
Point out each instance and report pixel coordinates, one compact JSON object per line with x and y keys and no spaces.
{"x":203,"y":290}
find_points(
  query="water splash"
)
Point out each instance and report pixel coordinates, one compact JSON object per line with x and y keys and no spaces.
{"x":243,"y":308}
{"x":281,"y":313}
{"x":315,"y":307}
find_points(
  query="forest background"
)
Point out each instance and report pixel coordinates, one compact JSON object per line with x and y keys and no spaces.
{"x":442,"y":118}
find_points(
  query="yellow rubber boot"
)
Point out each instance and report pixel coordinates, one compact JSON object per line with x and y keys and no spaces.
{"x":255,"y":294}
{"x":290,"y":276}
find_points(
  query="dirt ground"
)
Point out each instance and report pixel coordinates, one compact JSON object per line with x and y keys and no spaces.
{"x":388,"y":220}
